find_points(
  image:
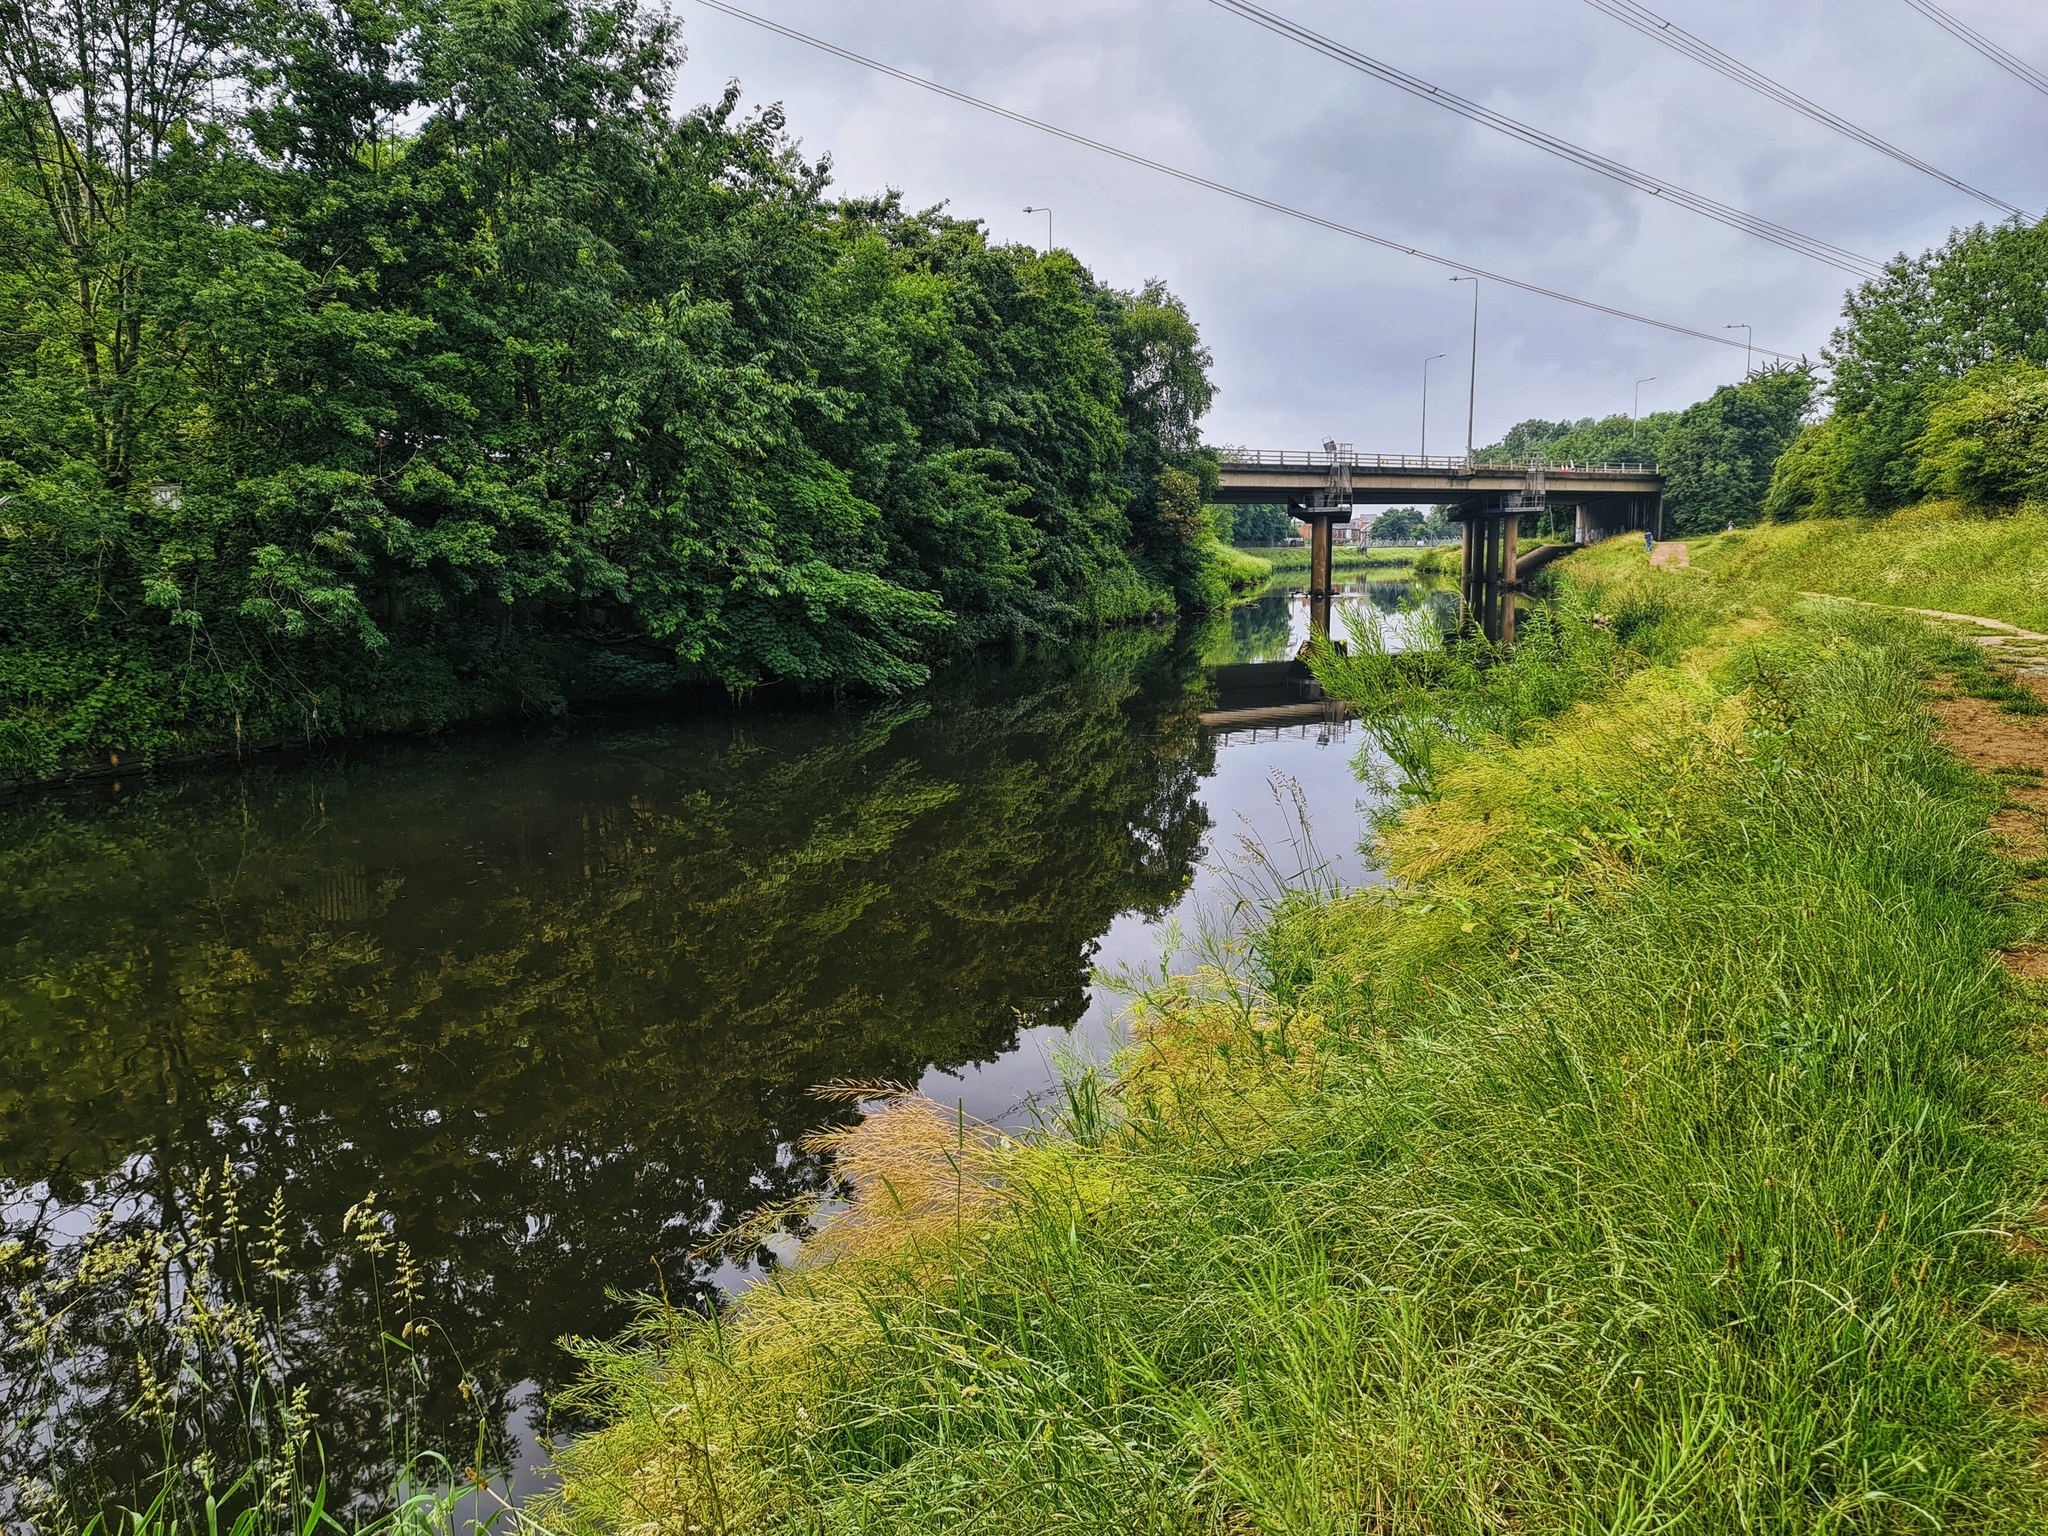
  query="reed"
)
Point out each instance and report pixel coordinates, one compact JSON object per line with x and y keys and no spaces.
{"x":183,"y":1329}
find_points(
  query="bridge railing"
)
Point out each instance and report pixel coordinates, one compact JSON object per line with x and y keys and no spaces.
{"x":1288,"y":458}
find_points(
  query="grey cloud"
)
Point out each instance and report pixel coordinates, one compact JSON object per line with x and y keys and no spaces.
{"x":1316,"y":334}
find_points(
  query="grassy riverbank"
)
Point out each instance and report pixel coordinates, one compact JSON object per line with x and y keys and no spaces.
{"x":1239,"y":570}
{"x":1657,"y":1153}
{"x":1938,"y":555}
{"x":1342,"y":558}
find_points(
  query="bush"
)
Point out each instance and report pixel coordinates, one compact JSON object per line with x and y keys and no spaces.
{"x":1813,"y":477}
{"x":1986,"y":443}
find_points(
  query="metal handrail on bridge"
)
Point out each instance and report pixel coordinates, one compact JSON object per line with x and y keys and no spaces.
{"x":1288,"y":458}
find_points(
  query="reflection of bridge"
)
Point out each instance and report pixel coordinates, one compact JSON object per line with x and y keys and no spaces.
{"x":1489,"y":499}
{"x":1264,"y":695}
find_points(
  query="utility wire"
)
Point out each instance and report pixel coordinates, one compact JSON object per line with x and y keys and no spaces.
{"x":1778,"y":234}
{"x":1977,"y":40}
{"x":1652,"y":25}
{"x":1225,"y":189}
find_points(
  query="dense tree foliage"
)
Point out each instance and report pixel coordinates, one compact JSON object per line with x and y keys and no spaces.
{"x":1937,"y":386}
{"x":379,"y":364}
{"x":1607,"y":440}
{"x":1406,"y":524}
{"x":1718,"y":455}
{"x":1261,"y":527}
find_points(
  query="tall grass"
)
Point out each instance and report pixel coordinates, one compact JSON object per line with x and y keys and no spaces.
{"x":1237,"y":570}
{"x":1657,"y":1154}
{"x":183,"y":1332}
{"x":1344,"y":557}
{"x":1440,"y":691}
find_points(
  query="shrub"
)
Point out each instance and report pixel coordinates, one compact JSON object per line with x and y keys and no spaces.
{"x":1986,"y":442}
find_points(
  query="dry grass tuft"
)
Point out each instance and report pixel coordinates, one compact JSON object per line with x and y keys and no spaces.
{"x":912,"y":1171}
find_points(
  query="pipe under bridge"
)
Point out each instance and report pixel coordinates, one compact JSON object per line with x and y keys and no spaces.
{"x":1490,"y":500}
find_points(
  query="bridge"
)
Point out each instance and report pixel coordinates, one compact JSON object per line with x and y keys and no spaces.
{"x":1489,"y":499}
{"x":1265,"y":477}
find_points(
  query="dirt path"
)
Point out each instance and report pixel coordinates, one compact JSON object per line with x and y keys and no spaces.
{"x":2014,"y":750}
{"x":2025,"y":650}
{"x":1671,"y":554}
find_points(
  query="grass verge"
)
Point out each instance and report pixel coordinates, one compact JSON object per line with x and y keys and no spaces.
{"x":1345,"y":558}
{"x":1658,"y":1152}
{"x":1933,"y":556}
{"x":1240,"y":572}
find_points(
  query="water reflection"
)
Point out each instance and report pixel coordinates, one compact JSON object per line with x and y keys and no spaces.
{"x":1274,"y":625}
{"x":561,"y":1001}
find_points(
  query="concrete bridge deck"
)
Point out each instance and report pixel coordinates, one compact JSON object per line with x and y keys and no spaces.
{"x":1285,"y":478}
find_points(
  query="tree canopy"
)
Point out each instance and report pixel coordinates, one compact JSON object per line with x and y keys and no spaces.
{"x":1261,"y":526}
{"x":1607,"y":440}
{"x":1937,"y":386}
{"x":1718,"y":454}
{"x":381,"y":364}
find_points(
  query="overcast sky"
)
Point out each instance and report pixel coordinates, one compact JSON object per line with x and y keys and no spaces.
{"x":1318,"y":335}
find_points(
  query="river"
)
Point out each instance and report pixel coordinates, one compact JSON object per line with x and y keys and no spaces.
{"x":559,"y":999}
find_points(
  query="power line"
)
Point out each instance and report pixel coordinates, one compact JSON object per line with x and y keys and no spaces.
{"x":1225,"y":189}
{"x":1650,"y":24}
{"x":1977,"y":40}
{"x":1778,"y":234}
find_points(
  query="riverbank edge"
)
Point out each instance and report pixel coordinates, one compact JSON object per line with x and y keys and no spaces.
{"x":1290,"y":558}
{"x":1241,"y":577}
{"x":1176,"y":1213}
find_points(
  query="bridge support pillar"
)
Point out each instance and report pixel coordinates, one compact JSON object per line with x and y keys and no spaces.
{"x":1321,"y":578}
{"x":1492,"y":553}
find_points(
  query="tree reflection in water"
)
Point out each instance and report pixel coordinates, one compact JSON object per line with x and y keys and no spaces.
{"x":559,"y":1001}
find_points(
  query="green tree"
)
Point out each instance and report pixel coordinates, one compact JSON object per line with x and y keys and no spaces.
{"x":1815,"y":476}
{"x":1721,"y":454}
{"x":1609,"y":440}
{"x":1908,"y":337}
{"x":1986,"y":443}
{"x":1259,"y":527}
{"x":371,"y":366}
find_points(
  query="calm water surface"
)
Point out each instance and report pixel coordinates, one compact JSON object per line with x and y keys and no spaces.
{"x":560,"y":999}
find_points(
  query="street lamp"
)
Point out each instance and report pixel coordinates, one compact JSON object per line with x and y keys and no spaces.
{"x":1425,"y":400}
{"x":1748,"y":347}
{"x":1636,"y":414}
{"x":1472,"y":388}
{"x":1048,"y":226}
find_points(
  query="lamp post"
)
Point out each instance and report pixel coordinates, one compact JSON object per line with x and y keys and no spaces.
{"x":1048,"y":226}
{"x":1472,"y":387}
{"x":1425,"y":401}
{"x":1636,"y":413}
{"x":1748,"y":347}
